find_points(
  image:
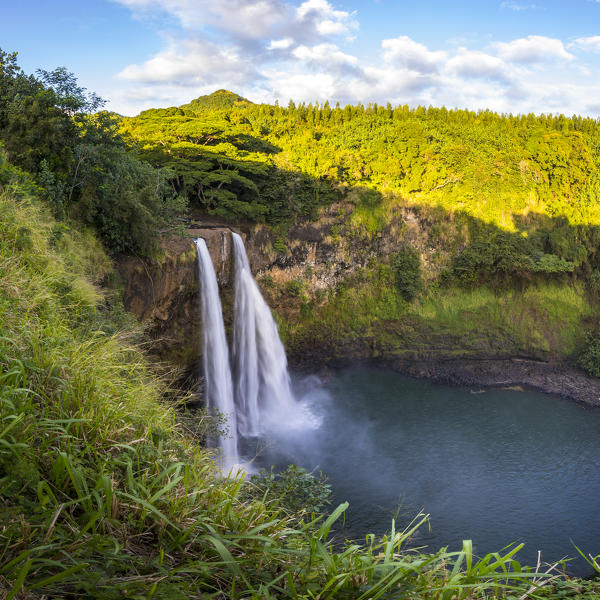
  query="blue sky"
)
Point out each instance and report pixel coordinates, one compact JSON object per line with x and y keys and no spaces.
{"x":507,"y":55}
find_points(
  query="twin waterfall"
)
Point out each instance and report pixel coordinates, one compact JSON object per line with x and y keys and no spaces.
{"x":255,"y":394}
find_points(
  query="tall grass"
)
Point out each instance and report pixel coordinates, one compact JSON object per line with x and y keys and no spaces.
{"x":104,"y":495}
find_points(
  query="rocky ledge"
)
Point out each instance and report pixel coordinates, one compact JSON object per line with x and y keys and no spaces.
{"x":550,"y":377}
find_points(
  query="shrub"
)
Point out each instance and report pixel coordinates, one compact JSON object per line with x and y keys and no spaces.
{"x":407,"y":270}
{"x":280,"y":246}
{"x":589,"y":359}
{"x":294,"y":489}
{"x":294,"y":288}
{"x":594,"y":281}
{"x":495,"y":255}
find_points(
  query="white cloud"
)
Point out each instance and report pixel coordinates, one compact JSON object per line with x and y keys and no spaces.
{"x":478,"y":65}
{"x":518,"y":7}
{"x":191,"y":63}
{"x":322,"y":8}
{"x":250,"y":19}
{"x":325,"y":18}
{"x":328,"y":27}
{"x":412,"y":55}
{"x":590,"y":44}
{"x":395,"y":85}
{"x":282,"y":44}
{"x":254,"y":19}
{"x":306,"y":87}
{"x":532,"y":49}
{"x":324,"y":54}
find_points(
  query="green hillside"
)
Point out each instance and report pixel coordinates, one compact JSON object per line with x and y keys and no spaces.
{"x":537,"y":177}
{"x":506,"y":204}
{"x":221,"y":99}
{"x":494,"y":167}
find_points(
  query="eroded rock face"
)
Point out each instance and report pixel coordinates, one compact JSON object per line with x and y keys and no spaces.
{"x":163,"y":293}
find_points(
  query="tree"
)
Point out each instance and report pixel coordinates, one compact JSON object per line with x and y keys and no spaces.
{"x":50,"y":126}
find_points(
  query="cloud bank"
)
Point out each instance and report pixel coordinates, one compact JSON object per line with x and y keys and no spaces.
{"x":273,"y":49}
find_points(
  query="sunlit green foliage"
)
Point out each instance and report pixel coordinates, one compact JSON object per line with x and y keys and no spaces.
{"x":526,"y":187}
{"x":492,"y":166}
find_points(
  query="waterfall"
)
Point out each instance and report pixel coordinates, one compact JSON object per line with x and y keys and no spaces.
{"x":217,"y":373}
{"x":245,"y":356}
{"x":261,"y":400}
{"x":263,"y":396}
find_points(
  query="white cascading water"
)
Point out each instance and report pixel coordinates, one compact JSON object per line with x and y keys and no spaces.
{"x":245,"y":356}
{"x":217,"y":373}
{"x":263,"y":395}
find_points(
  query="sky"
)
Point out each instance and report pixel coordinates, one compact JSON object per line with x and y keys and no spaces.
{"x":517,"y":56}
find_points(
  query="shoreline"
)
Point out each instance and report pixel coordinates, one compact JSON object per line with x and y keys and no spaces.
{"x":551,"y":377}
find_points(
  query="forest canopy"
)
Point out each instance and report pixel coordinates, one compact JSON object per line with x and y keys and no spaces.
{"x":526,"y":187}
{"x":264,"y":162}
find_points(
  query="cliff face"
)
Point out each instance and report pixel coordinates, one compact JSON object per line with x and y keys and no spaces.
{"x":331,"y":284}
{"x":163,"y":293}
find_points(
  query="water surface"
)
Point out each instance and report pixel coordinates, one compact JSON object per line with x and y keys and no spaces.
{"x":496,"y":467}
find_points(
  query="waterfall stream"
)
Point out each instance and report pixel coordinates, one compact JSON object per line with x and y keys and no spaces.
{"x":263,"y":395}
{"x":217,"y":373}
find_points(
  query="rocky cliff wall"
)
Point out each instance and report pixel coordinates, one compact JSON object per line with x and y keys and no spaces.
{"x":328,"y":282}
{"x":163,"y":293}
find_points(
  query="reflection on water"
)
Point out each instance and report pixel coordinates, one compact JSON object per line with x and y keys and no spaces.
{"x":496,"y":467}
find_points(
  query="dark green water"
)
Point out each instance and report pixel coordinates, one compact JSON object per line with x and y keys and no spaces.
{"x":496,"y":467}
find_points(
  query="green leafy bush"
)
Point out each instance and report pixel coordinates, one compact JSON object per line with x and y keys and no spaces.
{"x":294,"y":288}
{"x":407,"y":270}
{"x":280,"y":246}
{"x":594,"y":281}
{"x":294,"y":489}
{"x":496,"y":255}
{"x":589,"y":359}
